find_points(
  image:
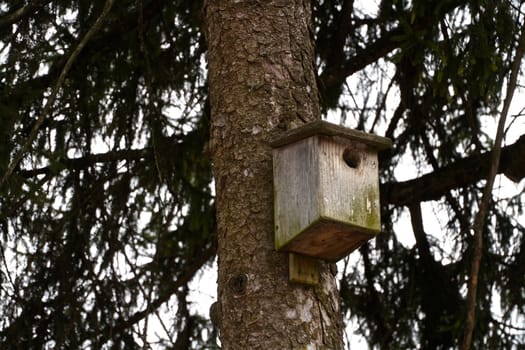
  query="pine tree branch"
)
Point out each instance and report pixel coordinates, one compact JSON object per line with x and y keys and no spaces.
{"x":18,"y":14}
{"x":431,"y":186}
{"x":507,"y":325}
{"x":459,"y":174}
{"x":422,"y":244}
{"x":89,"y":160}
{"x":52,"y":97}
{"x":335,"y":75}
{"x":123,"y":325}
{"x":116,"y":28}
{"x":481,"y":216}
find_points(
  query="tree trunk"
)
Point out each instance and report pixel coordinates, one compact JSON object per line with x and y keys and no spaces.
{"x":262,"y":82}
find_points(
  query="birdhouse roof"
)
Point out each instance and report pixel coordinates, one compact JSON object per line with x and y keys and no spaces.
{"x":321,"y":127}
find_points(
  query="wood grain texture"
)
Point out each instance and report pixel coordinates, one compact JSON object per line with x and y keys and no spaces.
{"x":303,"y":269}
{"x":322,"y":127}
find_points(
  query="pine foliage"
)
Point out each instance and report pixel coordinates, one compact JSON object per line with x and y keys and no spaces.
{"x":109,"y":215}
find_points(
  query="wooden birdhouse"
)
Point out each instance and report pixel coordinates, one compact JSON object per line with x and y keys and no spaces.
{"x":326,"y":190}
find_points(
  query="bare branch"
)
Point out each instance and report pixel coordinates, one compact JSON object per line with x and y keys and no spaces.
{"x":479,"y":221}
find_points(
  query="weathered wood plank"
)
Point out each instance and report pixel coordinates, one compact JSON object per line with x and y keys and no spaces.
{"x":303,"y":269}
{"x":321,"y":127}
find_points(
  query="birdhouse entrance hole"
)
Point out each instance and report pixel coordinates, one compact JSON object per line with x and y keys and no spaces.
{"x":351,"y":158}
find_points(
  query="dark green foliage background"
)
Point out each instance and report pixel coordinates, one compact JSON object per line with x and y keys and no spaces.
{"x":110,"y":214}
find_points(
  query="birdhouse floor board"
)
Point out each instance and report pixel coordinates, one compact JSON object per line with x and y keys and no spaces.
{"x":329,"y":241}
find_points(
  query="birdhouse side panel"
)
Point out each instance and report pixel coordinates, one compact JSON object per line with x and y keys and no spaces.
{"x":296,"y":181}
{"x":349,"y":184}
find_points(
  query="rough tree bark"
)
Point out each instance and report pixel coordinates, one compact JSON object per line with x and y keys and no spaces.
{"x":262,"y":82}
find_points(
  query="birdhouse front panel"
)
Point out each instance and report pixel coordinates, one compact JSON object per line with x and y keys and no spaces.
{"x":349,"y":184}
{"x":348,"y":199}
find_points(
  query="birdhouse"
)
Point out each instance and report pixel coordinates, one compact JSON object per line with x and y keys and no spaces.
{"x":326,"y":190}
